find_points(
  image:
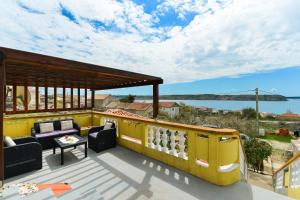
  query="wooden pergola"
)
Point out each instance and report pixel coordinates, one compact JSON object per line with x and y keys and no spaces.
{"x":20,"y":68}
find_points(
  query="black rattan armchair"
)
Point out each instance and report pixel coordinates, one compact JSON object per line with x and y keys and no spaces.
{"x":100,"y":139}
{"x":26,"y":156}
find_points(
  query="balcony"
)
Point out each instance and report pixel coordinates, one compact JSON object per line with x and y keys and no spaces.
{"x":153,"y":159}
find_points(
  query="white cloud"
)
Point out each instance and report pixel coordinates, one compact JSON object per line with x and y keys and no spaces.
{"x":245,"y":36}
{"x":184,"y":7}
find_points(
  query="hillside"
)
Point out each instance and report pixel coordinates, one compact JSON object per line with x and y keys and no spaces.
{"x":211,"y":97}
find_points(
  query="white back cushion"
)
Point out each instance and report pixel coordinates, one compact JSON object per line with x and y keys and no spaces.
{"x":46,"y":127}
{"x":107,"y":125}
{"x":66,"y":124}
{"x":9,"y":142}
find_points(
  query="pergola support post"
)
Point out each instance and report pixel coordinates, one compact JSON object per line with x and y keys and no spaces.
{"x":155,"y":100}
{"x":2,"y":97}
{"x":93,"y":98}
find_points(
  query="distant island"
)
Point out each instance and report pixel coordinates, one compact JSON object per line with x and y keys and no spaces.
{"x":211,"y":97}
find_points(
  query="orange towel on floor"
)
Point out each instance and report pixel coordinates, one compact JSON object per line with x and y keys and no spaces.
{"x":58,"y":188}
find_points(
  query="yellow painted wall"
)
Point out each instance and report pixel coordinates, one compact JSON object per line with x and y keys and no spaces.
{"x":20,"y":125}
{"x":294,"y":193}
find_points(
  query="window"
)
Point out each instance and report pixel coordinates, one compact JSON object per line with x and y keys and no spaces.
{"x":20,"y":98}
{"x":68,"y":98}
{"x":82,"y":98}
{"x":50,"y":98}
{"x":38,"y":97}
{"x":31,"y":98}
{"x":41,"y":98}
{"x":89,"y":98}
{"x":9,"y":98}
{"x":75,"y":98}
{"x":60,"y":98}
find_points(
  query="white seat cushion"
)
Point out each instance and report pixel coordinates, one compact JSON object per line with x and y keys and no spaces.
{"x":9,"y":142}
{"x":66,"y":124}
{"x":46,"y":127}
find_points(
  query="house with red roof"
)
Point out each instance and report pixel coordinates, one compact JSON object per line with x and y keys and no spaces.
{"x":172,"y":108}
{"x":123,"y":113}
{"x":290,"y":115}
{"x":102,"y":100}
{"x":140,"y":108}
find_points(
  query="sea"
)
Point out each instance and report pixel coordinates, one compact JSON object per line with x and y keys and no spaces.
{"x":276,"y":107}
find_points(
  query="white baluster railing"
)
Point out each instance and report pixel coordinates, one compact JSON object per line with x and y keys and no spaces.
{"x":182,"y":139}
{"x":173,"y":144}
{"x":243,"y":163}
{"x":295,"y":174}
{"x":279,"y":181}
{"x":157,"y":139}
{"x":151,"y":137}
{"x":165,"y":140}
{"x":164,"y":137}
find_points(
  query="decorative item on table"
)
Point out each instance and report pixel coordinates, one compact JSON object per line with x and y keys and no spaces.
{"x":68,"y":139}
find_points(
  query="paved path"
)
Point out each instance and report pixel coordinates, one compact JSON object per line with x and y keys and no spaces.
{"x":279,"y":145}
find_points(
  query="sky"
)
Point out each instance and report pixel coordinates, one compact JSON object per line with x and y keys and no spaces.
{"x":204,"y":46}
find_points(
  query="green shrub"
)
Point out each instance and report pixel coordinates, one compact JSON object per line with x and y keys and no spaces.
{"x":249,"y":113}
{"x":129,"y":99}
{"x":256,"y":152}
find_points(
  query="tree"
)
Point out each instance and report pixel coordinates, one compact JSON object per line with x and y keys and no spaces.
{"x":256,"y":152}
{"x":129,"y":99}
{"x":164,"y":116}
{"x":249,"y":113}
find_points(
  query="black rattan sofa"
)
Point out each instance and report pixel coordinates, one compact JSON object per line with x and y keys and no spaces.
{"x":24,"y":157}
{"x":100,"y":139}
{"x":46,"y":139}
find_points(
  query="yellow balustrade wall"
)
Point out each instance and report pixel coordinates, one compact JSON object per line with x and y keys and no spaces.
{"x":203,"y":144}
{"x":287,"y":178}
{"x":206,"y":150}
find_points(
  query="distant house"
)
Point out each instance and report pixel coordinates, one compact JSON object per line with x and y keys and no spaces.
{"x":144,"y":109}
{"x":117,"y":105}
{"x":290,"y":115}
{"x":266,"y":114}
{"x":102,"y":100}
{"x":225,"y":112}
{"x":202,"y":108}
{"x":215,"y":111}
{"x":172,"y":108}
{"x":237,"y":111}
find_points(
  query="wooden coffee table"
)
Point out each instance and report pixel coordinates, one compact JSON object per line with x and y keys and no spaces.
{"x":63,"y":146}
